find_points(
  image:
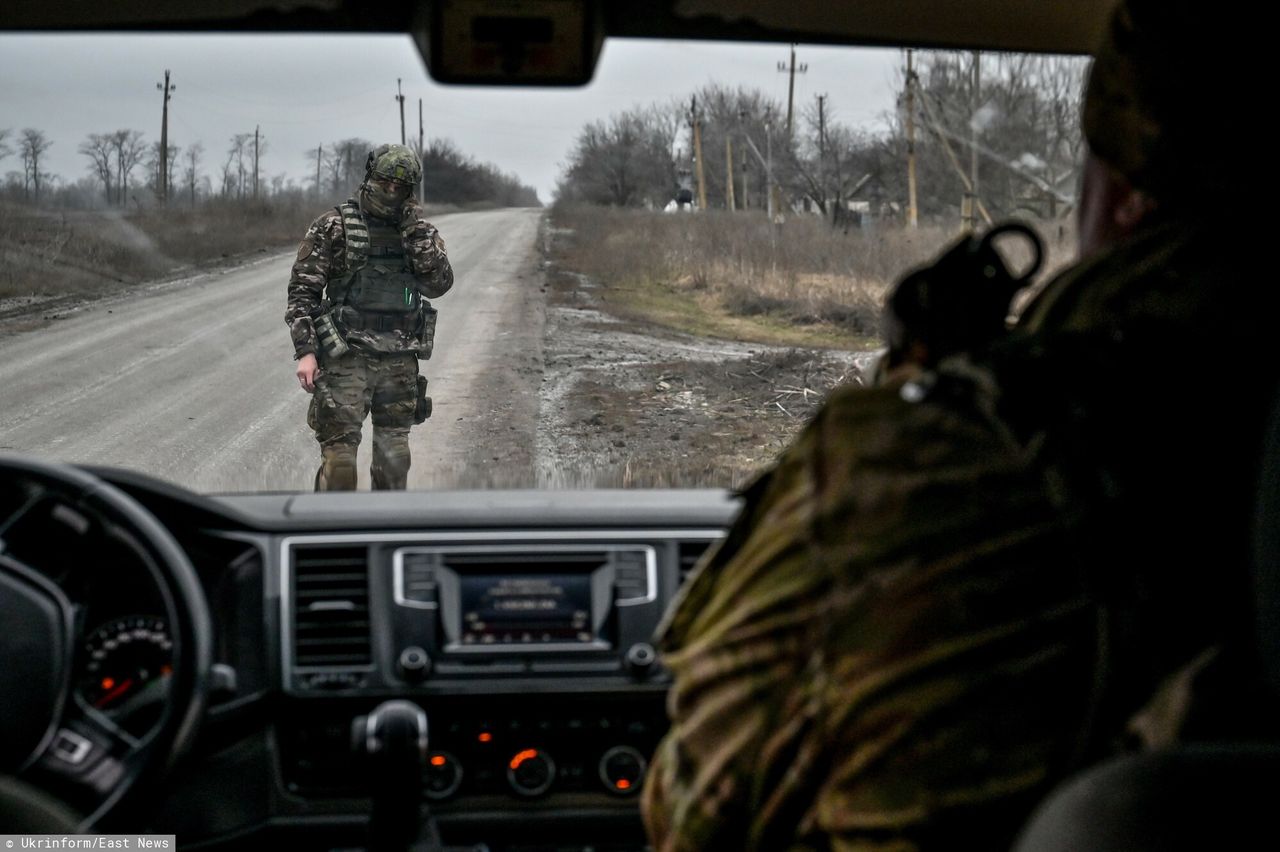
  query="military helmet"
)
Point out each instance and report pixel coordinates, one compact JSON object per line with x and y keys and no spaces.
{"x":393,"y":162}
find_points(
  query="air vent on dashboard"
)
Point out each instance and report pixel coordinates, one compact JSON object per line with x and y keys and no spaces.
{"x":690,"y":553}
{"x":331,"y":606}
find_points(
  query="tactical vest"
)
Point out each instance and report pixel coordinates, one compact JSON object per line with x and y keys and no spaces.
{"x":378,"y":279}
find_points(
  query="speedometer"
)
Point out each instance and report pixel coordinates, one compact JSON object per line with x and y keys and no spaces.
{"x":127,"y":666}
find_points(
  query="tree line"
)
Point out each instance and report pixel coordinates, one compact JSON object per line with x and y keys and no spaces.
{"x":449,"y":175}
{"x":1000,"y":129}
{"x":123,"y":169}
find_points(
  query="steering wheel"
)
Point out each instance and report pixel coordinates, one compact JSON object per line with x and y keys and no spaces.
{"x":53,"y":520}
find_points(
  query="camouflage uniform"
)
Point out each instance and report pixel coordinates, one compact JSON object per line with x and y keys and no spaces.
{"x":378,"y":376}
{"x":956,"y":586}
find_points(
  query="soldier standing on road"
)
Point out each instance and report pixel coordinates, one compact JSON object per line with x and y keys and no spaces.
{"x":360,"y":321}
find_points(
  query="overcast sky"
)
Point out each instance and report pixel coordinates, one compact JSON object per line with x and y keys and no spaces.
{"x":304,"y":91}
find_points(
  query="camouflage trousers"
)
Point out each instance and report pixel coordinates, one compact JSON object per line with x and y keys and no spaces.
{"x":349,"y":389}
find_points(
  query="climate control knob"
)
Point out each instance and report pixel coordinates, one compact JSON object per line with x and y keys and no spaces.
{"x":622,"y":770}
{"x":531,"y":772}
{"x":442,"y":775}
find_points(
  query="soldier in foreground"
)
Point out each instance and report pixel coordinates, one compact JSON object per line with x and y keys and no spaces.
{"x":360,"y":321}
{"x":1006,"y":563}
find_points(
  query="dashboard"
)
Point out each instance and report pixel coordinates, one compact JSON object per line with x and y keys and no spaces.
{"x":520,"y":624}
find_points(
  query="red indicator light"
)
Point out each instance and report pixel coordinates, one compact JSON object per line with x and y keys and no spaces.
{"x":623,"y":784}
{"x":485,"y":736}
{"x":166,"y":669}
{"x":521,"y":757}
{"x":108,"y":682}
{"x":437,"y":760}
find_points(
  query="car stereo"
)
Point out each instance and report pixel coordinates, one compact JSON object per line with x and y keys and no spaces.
{"x":520,"y":600}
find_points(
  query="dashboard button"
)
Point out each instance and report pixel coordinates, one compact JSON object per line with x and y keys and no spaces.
{"x":641,"y":657}
{"x":415,"y":664}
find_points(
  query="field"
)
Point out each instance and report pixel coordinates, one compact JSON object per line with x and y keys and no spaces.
{"x":688,"y":350}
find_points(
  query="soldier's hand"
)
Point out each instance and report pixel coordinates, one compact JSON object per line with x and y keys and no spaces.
{"x":410,"y":214}
{"x":306,"y":372}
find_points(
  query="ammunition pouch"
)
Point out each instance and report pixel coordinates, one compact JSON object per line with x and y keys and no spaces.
{"x":328,"y":336}
{"x":426,"y":331}
{"x":358,"y":320}
{"x":422,"y":410}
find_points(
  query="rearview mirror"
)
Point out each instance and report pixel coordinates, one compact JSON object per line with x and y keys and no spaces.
{"x":511,"y":42}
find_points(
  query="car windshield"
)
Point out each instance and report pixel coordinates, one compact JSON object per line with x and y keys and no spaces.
{"x":657,"y":278}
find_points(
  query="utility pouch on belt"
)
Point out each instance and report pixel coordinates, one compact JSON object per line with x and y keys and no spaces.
{"x":422,"y":410}
{"x":427,"y":331}
{"x":331,"y":341}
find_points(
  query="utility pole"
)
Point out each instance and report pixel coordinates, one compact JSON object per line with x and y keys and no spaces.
{"x":791,"y":86}
{"x":728,"y":173}
{"x":422,"y":147}
{"x":697,"y":154}
{"x":400,"y":99}
{"x":822,"y":128}
{"x":766,"y":162}
{"x":971,"y":213}
{"x":912,"y":218}
{"x":319,"y":151}
{"x":768,"y":167}
{"x":822,"y":151}
{"x":163,"y":182}
{"x":255,"y":162}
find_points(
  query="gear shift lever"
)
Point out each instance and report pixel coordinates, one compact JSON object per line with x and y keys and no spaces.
{"x":394,"y":740}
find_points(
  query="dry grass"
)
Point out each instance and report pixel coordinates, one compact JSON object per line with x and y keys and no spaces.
{"x":801,"y":282}
{"x":45,"y":253}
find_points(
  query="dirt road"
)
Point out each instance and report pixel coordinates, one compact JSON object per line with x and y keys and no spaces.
{"x":535,"y":383}
{"x":192,"y":380}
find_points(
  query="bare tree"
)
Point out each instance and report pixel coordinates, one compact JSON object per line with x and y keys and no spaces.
{"x":623,"y":161}
{"x":153,"y":165}
{"x":26,"y":176}
{"x":258,"y":177}
{"x":194,"y":152}
{"x":1022,"y":121}
{"x":33,"y":144}
{"x":97,"y":147}
{"x":832,"y":162}
{"x":5,"y":150}
{"x":318,"y":166}
{"x":739,"y":114}
{"x":343,"y":162}
{"x":236,"y":157}
{"x":129,"y":150}
{"x":229,"y":174}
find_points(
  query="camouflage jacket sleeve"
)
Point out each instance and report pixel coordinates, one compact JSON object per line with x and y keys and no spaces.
{"x":425,"y":252}
{"x":882,"y":654}
{"x":320,"y":254}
